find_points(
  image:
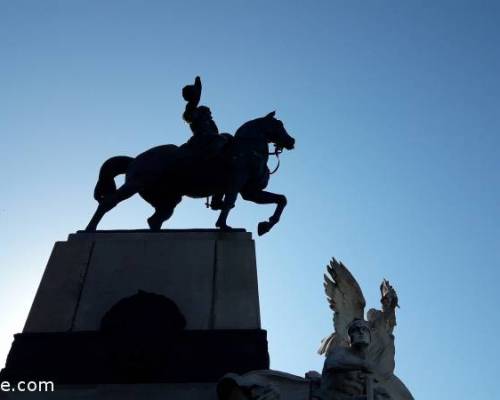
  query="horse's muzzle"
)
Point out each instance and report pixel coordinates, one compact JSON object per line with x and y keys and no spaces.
{"x":290,"y":145}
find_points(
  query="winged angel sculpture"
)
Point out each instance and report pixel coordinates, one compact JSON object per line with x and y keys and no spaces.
{"x":359,"y":362}
{"x":360,"y":353}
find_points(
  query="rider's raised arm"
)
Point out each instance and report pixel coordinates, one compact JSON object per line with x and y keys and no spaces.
{"x":192,"y":94}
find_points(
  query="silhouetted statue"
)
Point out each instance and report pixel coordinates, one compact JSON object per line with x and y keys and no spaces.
{"x":209,"y":164}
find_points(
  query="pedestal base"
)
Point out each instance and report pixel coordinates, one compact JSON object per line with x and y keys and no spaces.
{"x":94,"y":357}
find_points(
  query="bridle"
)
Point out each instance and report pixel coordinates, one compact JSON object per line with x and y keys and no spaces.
{"x":277,"y":151}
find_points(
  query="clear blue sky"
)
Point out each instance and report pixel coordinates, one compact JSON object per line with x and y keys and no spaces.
{"x":395,"y":106}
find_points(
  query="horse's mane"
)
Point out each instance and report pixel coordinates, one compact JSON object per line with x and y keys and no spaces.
{"x":249,"y":128}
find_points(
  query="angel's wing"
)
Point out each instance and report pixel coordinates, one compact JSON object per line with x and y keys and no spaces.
{"x":346,"y":300}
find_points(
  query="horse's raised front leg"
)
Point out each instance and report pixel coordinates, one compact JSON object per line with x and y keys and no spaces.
{"x":263,"y":197}
{"x":109,"y":202}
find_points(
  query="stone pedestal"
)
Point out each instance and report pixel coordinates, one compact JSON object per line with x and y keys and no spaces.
{"x":209,"y":276}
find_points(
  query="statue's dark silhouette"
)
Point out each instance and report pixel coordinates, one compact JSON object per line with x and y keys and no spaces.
{"x":209,"y":164}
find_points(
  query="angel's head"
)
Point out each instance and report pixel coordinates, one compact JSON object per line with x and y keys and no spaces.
{"x":359,"y":333}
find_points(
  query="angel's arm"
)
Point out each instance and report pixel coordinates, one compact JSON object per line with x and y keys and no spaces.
{"x":389,"y":302}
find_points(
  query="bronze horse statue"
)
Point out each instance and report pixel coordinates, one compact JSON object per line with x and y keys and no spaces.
{"x":163,"y":174}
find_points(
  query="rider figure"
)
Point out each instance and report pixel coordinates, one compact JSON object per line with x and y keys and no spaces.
{"x":206,"y":142}
{"x":199,"y":118}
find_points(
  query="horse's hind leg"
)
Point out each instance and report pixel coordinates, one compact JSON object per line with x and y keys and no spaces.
{"x":109,"y":202}
{"x":263,"y":197}
{"x":162,"y":213}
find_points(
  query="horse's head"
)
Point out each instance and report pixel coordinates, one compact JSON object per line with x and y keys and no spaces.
{"x":276,"y":133}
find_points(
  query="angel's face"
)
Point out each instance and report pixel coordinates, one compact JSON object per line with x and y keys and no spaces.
{"x":360,"y":336}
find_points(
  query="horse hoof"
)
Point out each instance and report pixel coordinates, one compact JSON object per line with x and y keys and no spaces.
{"x":90,"y":228}
{"x":263,"y":228}
{"x":153,"y":225}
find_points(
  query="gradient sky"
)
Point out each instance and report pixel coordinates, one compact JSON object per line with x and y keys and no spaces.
{"x":395,"y":107}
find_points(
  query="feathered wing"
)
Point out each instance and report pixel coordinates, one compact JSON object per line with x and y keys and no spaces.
{"x":346,"y":300}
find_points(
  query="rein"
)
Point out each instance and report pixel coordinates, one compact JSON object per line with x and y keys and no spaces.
{"x":277,"y":151}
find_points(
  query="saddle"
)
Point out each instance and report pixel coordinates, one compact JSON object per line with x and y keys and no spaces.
{"x":208,"y":147}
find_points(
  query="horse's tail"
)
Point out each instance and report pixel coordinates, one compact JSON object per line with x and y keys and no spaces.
{"x":109,"y":170}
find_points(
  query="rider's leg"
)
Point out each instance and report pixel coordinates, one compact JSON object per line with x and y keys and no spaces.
{"x":263,"y":197}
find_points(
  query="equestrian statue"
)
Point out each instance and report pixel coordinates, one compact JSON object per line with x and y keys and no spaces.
{"x":210,"y":164}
